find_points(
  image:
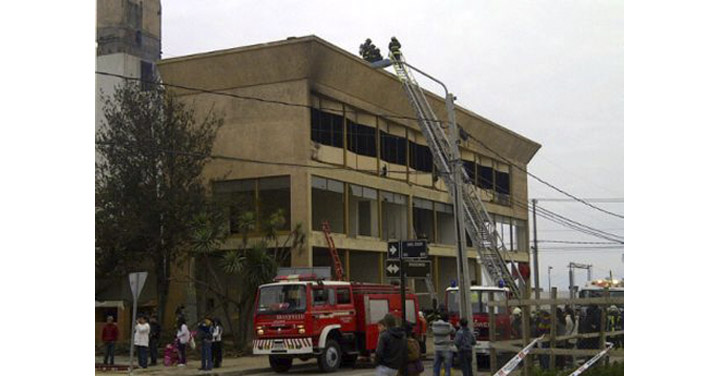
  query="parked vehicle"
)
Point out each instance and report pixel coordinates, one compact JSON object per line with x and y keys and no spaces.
{"x":304,"y":317}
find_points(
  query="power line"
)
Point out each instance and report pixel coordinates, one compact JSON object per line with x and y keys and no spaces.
{"x":608,"y":200}
{"x":215,"y":92}
{"x":572,"y":242}
{"x":543,"y":181}
{"x":547,"y":213}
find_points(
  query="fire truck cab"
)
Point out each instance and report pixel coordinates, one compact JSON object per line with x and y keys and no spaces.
{"x":305,"y":317}
{"x":481,"y":313}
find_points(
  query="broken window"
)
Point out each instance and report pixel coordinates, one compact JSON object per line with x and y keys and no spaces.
{"x":420,"y":157}
{"x":485,"y":177}
{"x":363,"y":210}
{"x":326,"y":128}
{"x":393,"y":148}
{"x":502,"y":182}
{"x":328,"y":204}
{"x":470,"y":170}
{"x":423,"y":222}
{"x":361,"y":139}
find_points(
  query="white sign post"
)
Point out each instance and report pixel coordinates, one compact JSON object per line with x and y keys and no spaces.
{"x":137,"y":281}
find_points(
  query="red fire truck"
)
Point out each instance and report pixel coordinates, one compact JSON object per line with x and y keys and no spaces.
{"x":481,"y":314}
{"x":301,"y":316}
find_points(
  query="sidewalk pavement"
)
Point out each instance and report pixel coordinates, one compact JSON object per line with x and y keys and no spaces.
{"x":245,"y":365}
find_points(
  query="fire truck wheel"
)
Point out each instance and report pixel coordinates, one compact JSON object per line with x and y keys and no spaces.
{"x":329,"y":360}
{"x":280,"y":365}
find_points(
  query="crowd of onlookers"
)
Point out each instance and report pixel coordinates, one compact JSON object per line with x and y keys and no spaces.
{"x":207,"y":338}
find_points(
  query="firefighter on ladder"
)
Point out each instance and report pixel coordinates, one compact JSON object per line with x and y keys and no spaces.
{"x":394,"y":47}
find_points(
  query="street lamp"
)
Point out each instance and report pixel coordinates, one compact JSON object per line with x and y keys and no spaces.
{"x":456,"y":162}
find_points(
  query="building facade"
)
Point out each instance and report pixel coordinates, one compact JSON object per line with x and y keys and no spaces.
{"x":127,"y":44}
{"x":315,"y":131}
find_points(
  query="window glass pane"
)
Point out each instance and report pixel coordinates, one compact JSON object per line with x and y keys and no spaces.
{"x":394,"y":212}
{"x":485,"y":178}
{"x":363,"y":211}
{"x":328,"y":205}
{"x":238,"y":196}
{"x":320,"y":297}
{"x":318,"y":182}
{"x":502,"y":182}
{"x":274,"y":199}
{"x":343,"y":296}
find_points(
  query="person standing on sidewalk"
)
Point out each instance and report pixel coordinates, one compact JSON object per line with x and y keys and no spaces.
{"x":155,"y":330}
{"x":442,"y":330}
{"x":142,"y":339}
{"x":204,"y":335}
{"x":464,"y":341}
{"x":183,"y":337}
{"x":109,"y":337}
{"x":390,"y":352}
{"x":217,"y":343}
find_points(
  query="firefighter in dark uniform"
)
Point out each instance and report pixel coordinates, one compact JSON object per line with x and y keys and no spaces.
{"x":365,"y":49}
{"x":394,"y":47}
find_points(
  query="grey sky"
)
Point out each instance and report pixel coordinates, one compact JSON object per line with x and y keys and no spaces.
{"x":549,"y":70}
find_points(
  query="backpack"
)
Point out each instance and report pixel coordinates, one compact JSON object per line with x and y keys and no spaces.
{"x":413,"y":350}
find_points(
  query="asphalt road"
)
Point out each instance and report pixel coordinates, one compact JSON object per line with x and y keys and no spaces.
{"x":310,"y":368}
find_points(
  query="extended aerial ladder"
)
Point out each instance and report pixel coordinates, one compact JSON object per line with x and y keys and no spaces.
{"x":478,"y":223}
{"x":337,"y":265}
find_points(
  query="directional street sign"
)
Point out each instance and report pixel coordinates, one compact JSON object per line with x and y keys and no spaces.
{"x":392,"y":268}
{"x":414,"y":249}
{"x":393,"y":250}
{"x":417,"y":269}
{"x":413,"y":269}
{"x":411,"y":249}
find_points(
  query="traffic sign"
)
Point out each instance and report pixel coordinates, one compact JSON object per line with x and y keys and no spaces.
{"x":414,"y":249}
{"x":392,"y":268}
{"x":412,"y":268}
{"x":411,"y":249}
{"x":416,"y":269}
{"x":137,"y":281}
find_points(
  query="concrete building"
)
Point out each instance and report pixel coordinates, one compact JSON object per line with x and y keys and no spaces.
{"x":343,"y":149}
{"x":128,"y":43}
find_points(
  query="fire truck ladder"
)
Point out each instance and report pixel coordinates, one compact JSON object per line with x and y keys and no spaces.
{"x":478,"y":223}
{"x":333,"y":251}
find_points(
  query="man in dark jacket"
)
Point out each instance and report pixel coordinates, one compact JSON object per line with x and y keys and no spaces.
{"x":154,"y":339}
{"x":390,"y":352}
{"x":204,"y":335}
{"x":464,"y":341}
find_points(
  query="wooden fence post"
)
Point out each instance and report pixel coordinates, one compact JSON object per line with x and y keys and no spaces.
{"x":603,"y":325}
{"x":553,"y":324}
{"x":491,"y":334}
{"x":527,"y":362}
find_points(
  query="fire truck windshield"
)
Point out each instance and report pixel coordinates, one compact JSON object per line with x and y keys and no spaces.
{"x":282,"y":299}
{"x":478,"y":299}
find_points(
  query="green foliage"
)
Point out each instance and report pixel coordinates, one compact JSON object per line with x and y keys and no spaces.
{"x":151,"y":150}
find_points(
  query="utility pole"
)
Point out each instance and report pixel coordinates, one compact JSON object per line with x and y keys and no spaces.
{"x":462,"y":261}
{"x":536,"y":265}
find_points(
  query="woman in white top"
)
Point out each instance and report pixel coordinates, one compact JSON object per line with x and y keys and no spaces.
{"x":141,"y":340}
{"x":183,"y":337}
{"x":217,"y":343}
